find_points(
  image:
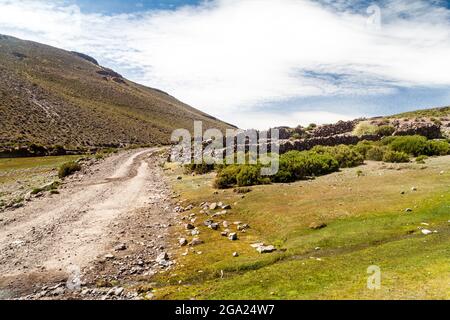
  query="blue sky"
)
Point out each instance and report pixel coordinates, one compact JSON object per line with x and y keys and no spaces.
{"x":130,"y":6}
{"x":260,"y":63}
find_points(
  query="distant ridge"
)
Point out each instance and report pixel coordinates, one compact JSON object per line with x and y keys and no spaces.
{"x":50,"y":96}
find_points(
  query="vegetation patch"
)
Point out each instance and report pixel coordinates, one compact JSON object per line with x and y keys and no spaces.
{"x":68,"y":169}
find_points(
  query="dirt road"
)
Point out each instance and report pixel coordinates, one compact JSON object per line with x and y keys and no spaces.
{"x":96,"y":210}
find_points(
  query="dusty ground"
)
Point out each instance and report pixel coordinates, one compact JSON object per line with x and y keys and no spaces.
{"x":109,"y":223}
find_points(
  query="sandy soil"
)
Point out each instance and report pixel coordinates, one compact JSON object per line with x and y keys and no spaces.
{"x":52,"y":236}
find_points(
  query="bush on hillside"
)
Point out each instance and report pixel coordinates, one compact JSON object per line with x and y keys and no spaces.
{"x":68,"y":169}
{"x":413,"y":145}
{"x":421,"y":159}
{"x":385,"y":130}
{"x":363,"y":147}
{"x":376,"y":153}
{"x":250,"y":175}
{"x":437,"y":148}
{"x":296,"y":165}
{"x":226,"y":177}
{"x":346,"y":156}
{"x":395,"y":157}
{"x":202,"y":168}
{"x":364,"y":128}
{"x":417,"y":145}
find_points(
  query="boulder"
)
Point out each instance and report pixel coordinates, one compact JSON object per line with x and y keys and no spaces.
{"x":233,"y":236}
{"x":266,"y":249}
{"x":196,"y":242}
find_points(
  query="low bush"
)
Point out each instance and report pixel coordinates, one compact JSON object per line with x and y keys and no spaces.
{"x":395,"y":157}
{"x":363,"y":147}
{"x":417,"y":145}
{"x":68,"y":169}
{"x":413,"y":145}
{"x":346,"y":156}
{"x":436,"y":148}
{"x":385,"y":130}
{"x":250,"y":175}
{"x":364,"y":128}
{"x":421,"y":159}
{"x":296,"y":165}
{"x":226,"y":177}
{"x":202,"y":168}
{"x":376,"y":153}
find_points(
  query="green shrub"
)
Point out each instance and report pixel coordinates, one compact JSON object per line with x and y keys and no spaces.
{"x":68,"y":169}
{"x":413,"y":145}
{"x":436,"y":148}
{"x":395,"y":157}
{"x":417,"y":145}
{"x":385,"y":130}
{"x":250,"y":175}
{"x":363,"y":147}
{"x":421,"y":159}
{"x":376,"y":153}
{"x":296,"y":165}
{"x":202,"y":168}
{"x":364,"y":128}
{"x":346,"y":156}
{"x":226,"y":177}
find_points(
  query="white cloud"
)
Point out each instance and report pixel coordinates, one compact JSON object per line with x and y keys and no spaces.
{"x":227,"y":57}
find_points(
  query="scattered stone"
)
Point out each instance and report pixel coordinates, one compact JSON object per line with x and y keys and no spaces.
{"x":120,"y":247}
{"x":195,"y":232}
{"x":408,"y":210}
{"x":162,"y":257}
{"x":179,"y":178}
{"x":208,"y":223}
{"x":317,"y":225}
{"x":266,"y":249}
{"x":58,"y":291}
{"x":224,"y":234}
{"x":257,"y":245}
{"x":109,"y":256}
{"x":225,"y":224}
{"x":196,"y":242}
{"x":183,"y":242}
{"x":414,"y":189}
{"x":426,"y":232}
{"x":213,"y":206}
{"x":235,"y":254}
{"x":226,"y":207}
{"x":233,"y":236}
{"x":189,"y":226}
{"x":214,"y":226}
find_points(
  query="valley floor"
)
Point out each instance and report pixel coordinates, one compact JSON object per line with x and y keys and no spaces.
{"x":114,"y":231}
{"x":119,"y":202}
{"x":392,"y":216}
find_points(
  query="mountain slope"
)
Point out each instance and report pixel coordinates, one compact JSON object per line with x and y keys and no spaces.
{"x":50,"y":96}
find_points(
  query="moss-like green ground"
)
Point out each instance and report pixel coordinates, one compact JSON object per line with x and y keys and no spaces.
{"x":366,"y":225}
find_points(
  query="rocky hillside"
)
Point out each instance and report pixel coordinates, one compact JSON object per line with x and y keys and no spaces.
{"x":432,"y":123}
{"x":53,"y":97}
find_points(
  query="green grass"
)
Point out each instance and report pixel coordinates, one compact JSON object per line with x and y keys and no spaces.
{"x":367,"y":225}
{"x":32,"y":173}
{"x":31,"y":163}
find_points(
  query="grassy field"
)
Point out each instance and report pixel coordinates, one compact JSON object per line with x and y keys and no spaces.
{"x":366,"y":225}
{"x":20,"y":175}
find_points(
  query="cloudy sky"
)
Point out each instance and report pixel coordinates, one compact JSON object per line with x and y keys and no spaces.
{"x":260,"y":63}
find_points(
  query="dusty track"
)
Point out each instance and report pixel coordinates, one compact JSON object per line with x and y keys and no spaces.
{"x":51,"y":236}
